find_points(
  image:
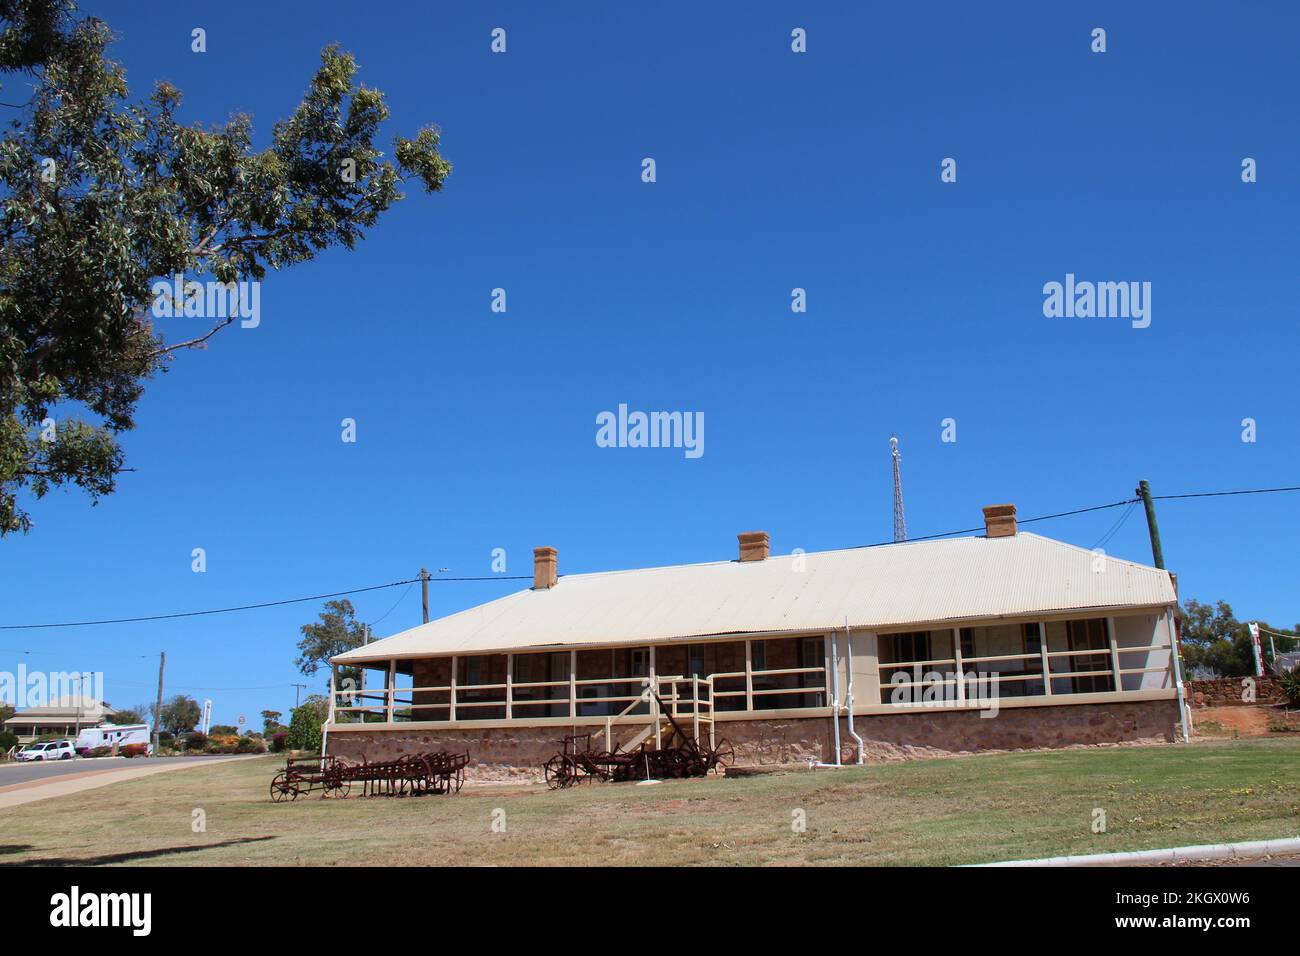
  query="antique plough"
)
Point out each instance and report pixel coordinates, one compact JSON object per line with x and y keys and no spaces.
{"x":408,"y":776}
{"x":683,"y":756}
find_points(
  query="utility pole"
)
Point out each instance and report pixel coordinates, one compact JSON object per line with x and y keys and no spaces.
{"x":157,"y":714}
{"x":1144,"y":492}
{"x":424,"y":591}
{"x":361,"y":671}
{"x":1175,"y":636}
{"x":297,"y":693}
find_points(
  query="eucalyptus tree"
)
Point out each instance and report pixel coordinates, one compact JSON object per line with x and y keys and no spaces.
{"x":104,"y":200}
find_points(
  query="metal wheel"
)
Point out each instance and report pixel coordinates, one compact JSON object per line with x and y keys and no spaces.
{"x":723,"y":756}
{"x":560,"y":772}
{"x":282,"y":788}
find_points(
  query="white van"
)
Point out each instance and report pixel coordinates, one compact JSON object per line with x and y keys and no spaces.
{"x":110,"y":735}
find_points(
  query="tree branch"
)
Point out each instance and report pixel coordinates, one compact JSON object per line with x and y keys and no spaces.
{"x":194,"y":343}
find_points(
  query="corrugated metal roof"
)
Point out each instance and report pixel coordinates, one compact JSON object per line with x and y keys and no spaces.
{"x":878,"y":588}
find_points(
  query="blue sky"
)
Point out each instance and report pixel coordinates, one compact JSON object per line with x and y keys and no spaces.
{"x":775,"y":170}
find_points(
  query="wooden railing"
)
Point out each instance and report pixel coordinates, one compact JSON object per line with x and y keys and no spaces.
{"x":961,"y":665}
{"x":390,"y":704}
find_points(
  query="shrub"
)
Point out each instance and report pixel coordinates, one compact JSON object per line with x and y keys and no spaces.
{"x":277,"y":741}
{"x":250,"y":745}
{"x":196,"y":742}
{"x":222,"y":744}
{"x":304,"y":725}
{"x":134,"y":750}
{"x":7,"y":739}
{"x":100,"y":752}
{"x":1290,"y":682}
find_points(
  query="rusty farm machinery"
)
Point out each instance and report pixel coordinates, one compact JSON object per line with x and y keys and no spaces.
{"x":436,"y":772}
{"x":677,"y":755}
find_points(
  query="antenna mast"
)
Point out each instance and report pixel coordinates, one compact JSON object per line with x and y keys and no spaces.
{"x":900,"y":523}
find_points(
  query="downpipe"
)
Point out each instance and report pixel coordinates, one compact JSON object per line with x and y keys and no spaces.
{"x":848,"y":651}
{"x":835,"y":701}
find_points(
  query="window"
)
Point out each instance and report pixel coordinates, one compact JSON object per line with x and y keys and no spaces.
{"x":523,"y":668}
{"x":812,"y":653}
{"x":695,"y":661}
{"x":967,"y":642}
{"x":1032,"y":638}
{"x":1088,"y":635}
{"x":912,"y":646}
{"x":758,"y":655}
{"x":640,"y":661}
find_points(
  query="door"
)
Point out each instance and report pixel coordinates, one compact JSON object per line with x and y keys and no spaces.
{"x":1086,"y":636}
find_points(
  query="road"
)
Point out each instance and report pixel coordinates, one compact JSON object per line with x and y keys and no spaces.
{"x":12,"y":773}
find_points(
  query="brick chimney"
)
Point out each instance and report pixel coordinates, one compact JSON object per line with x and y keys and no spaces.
{"x":544,"y":568}
{"x":754,"y":545}
{"x":999,"y":521}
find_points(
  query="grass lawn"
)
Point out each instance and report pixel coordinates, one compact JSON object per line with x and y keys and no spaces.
{"x":932,"y":812}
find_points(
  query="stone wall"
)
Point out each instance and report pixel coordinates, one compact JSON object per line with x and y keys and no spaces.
{"x":938,"y":733}
{"x":518,"y":753}
{"x":1228,"y":691}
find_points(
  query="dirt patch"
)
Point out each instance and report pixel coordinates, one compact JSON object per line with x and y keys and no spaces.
{"x":1234,"y":722}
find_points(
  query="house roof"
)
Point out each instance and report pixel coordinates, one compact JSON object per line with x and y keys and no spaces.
{"x":877,"y":588}
{"x":63,"y":710}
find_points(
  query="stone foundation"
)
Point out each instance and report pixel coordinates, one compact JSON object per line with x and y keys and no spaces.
{"x":517,"y":753}
{"x":1228,"y":691}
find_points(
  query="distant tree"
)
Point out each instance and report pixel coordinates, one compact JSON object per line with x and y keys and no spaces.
{"x":271,"y":722}
{"x":223,"y":730}
{"x":1214,"y":640}
{"x":104,"y":200}
{"x":6,"y":711}
{"x":180,"y":714}
{"x":336,"y":631}
{"x":127,"y":715}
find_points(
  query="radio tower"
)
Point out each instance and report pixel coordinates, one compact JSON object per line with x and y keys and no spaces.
{"x":900,"y":523}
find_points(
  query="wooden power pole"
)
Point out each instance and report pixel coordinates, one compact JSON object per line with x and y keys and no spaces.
{"x":424,"y":591}
{"x":157,"y":714}
{"x":1157,"y":553}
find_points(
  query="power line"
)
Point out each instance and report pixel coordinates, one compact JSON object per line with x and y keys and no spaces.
{"x":136,"y":683}
{"x":249,"y":607}
{"x":1079,"y":511}
{"x":1220,"y":494}
{"x":1059,"y":514}
{"x":524,"y":577}
{"x":394,"y":607}
{"x":1114,"y":529}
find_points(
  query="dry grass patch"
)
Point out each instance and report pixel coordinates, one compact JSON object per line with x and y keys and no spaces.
{"x":959,"y":810}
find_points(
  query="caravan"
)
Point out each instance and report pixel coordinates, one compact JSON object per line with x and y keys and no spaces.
{"x":112,"y":735}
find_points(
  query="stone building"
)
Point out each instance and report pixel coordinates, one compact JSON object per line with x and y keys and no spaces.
{"x":1001,"y":641}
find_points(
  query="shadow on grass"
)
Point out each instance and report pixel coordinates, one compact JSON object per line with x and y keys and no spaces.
{"x":112,"y":858}
{"x":15,"y":848}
